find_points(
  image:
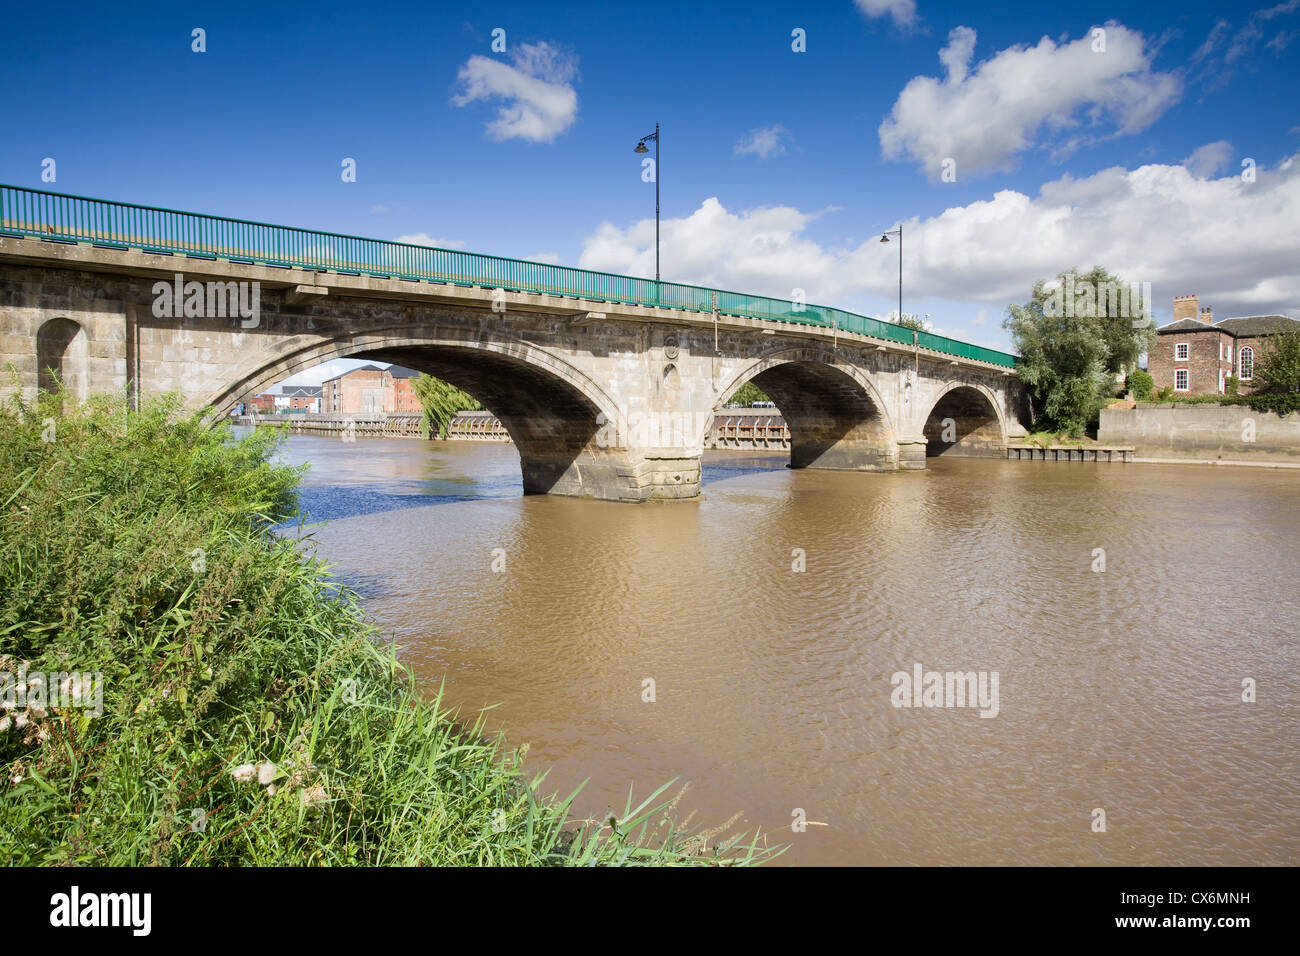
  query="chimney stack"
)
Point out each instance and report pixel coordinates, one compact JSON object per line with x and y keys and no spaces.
{"x":1207,"y":316}
{"x":1184,"y":307}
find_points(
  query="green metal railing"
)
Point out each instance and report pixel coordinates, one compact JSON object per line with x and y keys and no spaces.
{"x":34,"y":212}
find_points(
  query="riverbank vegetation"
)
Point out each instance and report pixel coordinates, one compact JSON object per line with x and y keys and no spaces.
{"x":1052,"y":439}
{"x":1282,"y":403}
{"x":250,"y":715}
{"x":1075,"y":336}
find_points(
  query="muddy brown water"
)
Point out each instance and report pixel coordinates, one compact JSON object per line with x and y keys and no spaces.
{"x":1118,"y":689}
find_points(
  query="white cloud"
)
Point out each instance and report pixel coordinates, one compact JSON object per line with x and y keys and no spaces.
{"x":980,"y":318}
{"x":756,"y":250}
{"x":763,"y":142}
{"x":540,"y":102}
{"x":424,"y":239}
{"x":1207,"y":160}
{"x":1212,"y":40}
{"x":1282,"y":41}
{"x":902,"y":12}
{"x":986,"y":116}
{"x":956,"y":56}
{"x":1231,"y":242}
{"x":1243,"y":44}
{"x":1215,"y":73}
{"x":550,"y":258}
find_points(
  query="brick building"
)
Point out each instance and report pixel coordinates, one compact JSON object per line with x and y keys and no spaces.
{"x":299,"y":398}
{"x":1196,"y":355}
{"x":371,"y":390}
{"x":405,"y":401}
{"x":263,"y":404}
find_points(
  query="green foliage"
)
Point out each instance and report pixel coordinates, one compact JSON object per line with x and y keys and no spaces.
{"x":138,"y":546}
{"x":910,"y":322}
{"x":1048,"y":439}
{"x":1166,"y":394}
{"x":1281,"y":403}
{"x":1277,"y":368}
{"x":748,"y":394}
{"x":1140,"y":383}
{"x":1071,"y":347}
{"x":1230,"y":386}
{"x":441,"y":401}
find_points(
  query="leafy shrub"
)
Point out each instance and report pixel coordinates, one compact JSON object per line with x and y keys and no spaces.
{"x":1140,"y":383}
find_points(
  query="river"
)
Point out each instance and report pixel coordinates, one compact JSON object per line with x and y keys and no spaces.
{"x":1121,"y":606}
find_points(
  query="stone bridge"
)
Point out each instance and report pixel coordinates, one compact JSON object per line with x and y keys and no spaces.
{"x":603,"y":399}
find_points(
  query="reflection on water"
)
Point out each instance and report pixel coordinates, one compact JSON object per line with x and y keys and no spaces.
{"x":1119,"y":689}
{"x":348,"y":479}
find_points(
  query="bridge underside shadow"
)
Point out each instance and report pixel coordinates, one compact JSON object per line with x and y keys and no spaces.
{"x":833,"y":422}
{"x":553,"y":425}
{"x":964,"y":424}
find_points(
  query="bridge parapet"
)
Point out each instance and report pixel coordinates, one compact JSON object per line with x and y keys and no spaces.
{"x":125,"y":226}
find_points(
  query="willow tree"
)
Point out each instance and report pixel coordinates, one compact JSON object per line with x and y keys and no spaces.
{"x":1075,"y":336}
{"x":440,"y":402}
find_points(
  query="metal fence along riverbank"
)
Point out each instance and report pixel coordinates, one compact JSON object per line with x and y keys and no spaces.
{"x":744,"y":428}
{"x":58,"y":216}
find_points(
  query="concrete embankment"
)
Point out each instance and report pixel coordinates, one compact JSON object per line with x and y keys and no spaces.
{"x":1210,"y":433}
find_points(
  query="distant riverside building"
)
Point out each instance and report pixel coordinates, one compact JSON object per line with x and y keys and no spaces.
{"x":371,"y":390}
{"x":263,"y":404}
{"x":405,"y":401}
{"x":299,"y":398}
{"x":1194,"y":354}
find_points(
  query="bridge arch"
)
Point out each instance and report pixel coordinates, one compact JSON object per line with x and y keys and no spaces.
{"x":836,"y":416}
{"x":965,"y":420}
{"x":557,"y":416}
{"x":61,"y":357}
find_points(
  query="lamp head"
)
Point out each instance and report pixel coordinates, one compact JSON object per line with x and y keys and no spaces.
{"x":641,"y":147}
{"x":884,"y":238}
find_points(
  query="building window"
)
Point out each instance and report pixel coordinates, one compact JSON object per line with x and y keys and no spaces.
{"x":1247,"y":363}
{"x":1180,"y":380}
{"x":1180,"y":352}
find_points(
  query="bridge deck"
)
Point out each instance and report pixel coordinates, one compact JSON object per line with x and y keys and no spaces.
{"x":47,"y":215}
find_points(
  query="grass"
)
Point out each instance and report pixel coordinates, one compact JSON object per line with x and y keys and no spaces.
{"x":250,"y":716}
{"x":1049,"y":439}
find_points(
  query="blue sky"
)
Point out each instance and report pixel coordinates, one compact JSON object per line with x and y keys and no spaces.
{"x":780,"y":168}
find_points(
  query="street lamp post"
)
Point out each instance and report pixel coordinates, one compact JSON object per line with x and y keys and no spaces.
{"x":884,"y":237}
{"x":641,"y":148}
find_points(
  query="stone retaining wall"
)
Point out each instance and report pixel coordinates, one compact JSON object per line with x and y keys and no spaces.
{"x":1203,"y":432}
